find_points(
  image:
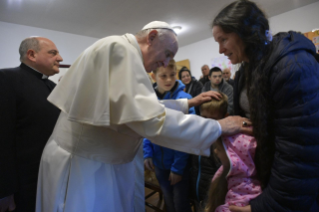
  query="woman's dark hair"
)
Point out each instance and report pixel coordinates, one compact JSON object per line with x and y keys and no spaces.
{"x":244,"y":18}
{"x":182,"y":70}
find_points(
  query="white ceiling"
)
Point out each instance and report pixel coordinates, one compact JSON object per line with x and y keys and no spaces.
{"x":100,"y":18}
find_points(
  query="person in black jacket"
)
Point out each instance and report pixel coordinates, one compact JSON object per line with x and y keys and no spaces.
{"x":193,"y":87}
{"x":278,"y":88}
{"x":27,"y":120}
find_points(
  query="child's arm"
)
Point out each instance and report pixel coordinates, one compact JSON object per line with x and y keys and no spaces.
{"x":148,"y":154}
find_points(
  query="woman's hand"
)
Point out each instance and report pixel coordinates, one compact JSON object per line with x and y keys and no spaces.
{"x":203,"y":97}
{"x":233,"y":208}
{"x":232,"y":125}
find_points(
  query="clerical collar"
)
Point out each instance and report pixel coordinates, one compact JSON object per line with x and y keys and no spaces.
{"x":43,"y":75}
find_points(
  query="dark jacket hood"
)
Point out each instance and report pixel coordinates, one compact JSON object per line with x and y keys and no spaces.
{"x":285,"y":43}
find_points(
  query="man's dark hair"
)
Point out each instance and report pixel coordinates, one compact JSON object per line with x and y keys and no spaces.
{"x":214,"y":69}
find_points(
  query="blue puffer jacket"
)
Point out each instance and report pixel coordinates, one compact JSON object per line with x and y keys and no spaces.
{"x":294,"y":91}
{"x":165,"y":158}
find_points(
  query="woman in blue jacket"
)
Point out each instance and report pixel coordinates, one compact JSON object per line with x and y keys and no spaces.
{"x":170,"y":165}
{"x":277,"y":87}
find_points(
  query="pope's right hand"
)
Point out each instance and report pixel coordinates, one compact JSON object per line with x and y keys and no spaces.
{"x":148,"y":163}
{"x":203,"y":97}
{"x":232,"y":125}
{"x":7,"y":203}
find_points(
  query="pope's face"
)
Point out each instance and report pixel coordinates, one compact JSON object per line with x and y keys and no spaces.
{"x":159,"y":52}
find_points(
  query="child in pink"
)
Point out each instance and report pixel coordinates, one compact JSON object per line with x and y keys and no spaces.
{"x":235,"y":181}
{"x":241,"y":177}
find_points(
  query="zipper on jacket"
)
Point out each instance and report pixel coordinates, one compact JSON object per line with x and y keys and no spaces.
{"x":162,"y":151}
{"x":198,"y":178}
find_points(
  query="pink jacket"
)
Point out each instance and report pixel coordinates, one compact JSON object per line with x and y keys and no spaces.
{"x":242,"y":183}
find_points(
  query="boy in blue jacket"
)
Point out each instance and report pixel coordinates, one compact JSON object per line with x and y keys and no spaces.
{"x":170,"y":166}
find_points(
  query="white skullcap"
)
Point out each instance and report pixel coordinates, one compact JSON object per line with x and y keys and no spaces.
{"x":158,"y":25}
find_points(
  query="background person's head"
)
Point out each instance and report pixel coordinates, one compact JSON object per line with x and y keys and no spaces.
{"x":185,"y":75}
{"x":215,"y":109}
{"x":41,"y":54}
{"x":241,"y":31}
{"x":215,"y":76}
{"x":226,"y":74}
{"x":158,"y":43}
{"x":165,"y":77}
{"x":205,"y":70}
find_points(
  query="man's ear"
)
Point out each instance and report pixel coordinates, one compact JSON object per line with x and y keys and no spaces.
{"x":31,"y":55}
{"x":208,"y":77}
{"x":151,"y":36}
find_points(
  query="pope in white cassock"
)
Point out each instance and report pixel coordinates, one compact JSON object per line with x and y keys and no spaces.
{"x":108,"y":104}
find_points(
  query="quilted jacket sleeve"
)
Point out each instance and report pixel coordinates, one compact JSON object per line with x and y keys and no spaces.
{"x":294,"y":180}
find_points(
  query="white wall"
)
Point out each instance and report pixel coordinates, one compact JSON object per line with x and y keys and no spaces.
{"x":69,"y":45}
{"x":303,"y":19}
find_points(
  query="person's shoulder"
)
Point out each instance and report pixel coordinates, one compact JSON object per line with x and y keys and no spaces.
{"x":207,"y":86}
{"x":197,"y":82}
{"x":112,"y":43}
{"x":183,"y":94}
{"x":52,"y":83}
{"x":226,"y":85}
{"x":10,"y":69}
{"x":10,"y":72}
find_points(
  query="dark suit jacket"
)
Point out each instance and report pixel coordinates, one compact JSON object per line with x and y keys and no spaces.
{"x":27,"y":120}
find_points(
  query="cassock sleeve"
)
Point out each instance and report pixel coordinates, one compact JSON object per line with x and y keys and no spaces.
{"x":178,"y":104}
{"x":8,"y":175}
{"x":175,"y":130}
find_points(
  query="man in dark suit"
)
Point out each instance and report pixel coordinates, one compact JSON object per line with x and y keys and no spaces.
{"x":27,"y":120}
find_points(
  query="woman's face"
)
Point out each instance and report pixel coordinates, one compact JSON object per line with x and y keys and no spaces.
{"x":231,"y":45}
{"x":186,"y":78}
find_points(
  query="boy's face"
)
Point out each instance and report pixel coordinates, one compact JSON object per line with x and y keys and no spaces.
{"x":207,"y":114}
{"x":165,"y":79}
{"x":215,"y":78}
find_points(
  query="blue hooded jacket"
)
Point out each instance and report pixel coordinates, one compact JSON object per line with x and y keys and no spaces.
{"x":163,"y":157}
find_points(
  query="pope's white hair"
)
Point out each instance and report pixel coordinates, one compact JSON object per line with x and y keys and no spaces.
{"x":162,"y":33}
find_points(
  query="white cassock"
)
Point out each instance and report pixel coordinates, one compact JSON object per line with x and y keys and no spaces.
{"x":108,"y":104}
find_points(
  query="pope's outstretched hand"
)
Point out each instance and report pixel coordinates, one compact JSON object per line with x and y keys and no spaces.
{"x":203,"y":97}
